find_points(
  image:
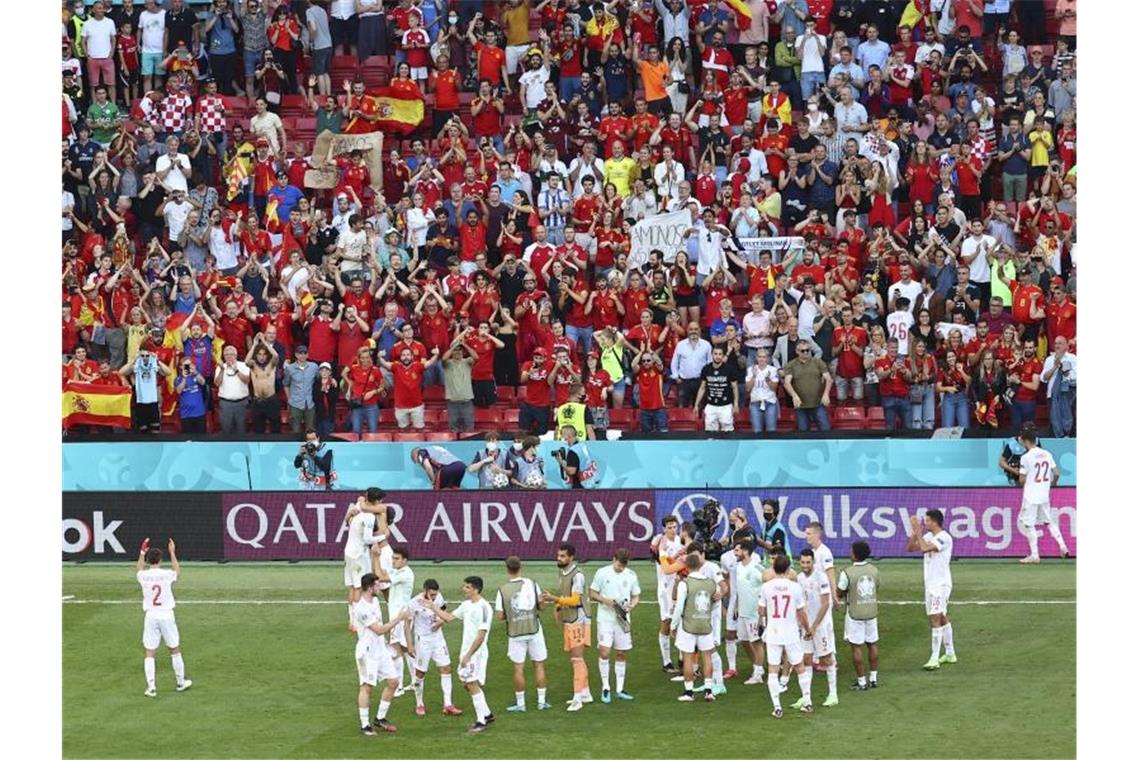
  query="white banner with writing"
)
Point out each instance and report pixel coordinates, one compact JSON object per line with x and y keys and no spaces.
{"x":661,"y":231}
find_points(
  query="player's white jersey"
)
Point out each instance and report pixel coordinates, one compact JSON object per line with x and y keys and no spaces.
{"x":712,"y":570}
{"x":360,"y":529}
{"x":780,"y":598}
{"x":403,"y":582}
{"x":668,"y":551}
{"x":1037,"y":465}
{"x":814,"y":586}
{"x":366,"y":613}
{"x":476,"y":616}
{"x":824,"y":560}
{"x":621,"y":587}
{"x":936,"y":564}
{"x":157,"y":587}
{"x":424,"y":621}
{"x":749,"y":581}
{"x":728,"y":564}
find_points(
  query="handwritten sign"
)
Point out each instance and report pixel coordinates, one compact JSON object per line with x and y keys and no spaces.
{"x":324,"y":175}
{"x":661,"y":231}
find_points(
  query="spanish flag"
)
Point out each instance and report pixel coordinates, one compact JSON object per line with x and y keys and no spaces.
{"x":272,"y":223}
{"x":88,"y":404}
{"x":742,"y":11}
{"x":401,"y":108}
{"x":914,"y":15}
{"x":235,"y":178}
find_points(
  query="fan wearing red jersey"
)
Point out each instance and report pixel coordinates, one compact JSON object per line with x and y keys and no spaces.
{"x":407,"y":382}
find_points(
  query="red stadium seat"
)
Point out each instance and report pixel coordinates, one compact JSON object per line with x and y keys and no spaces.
{"x":848,"y":418}
{"x":408,"y":436}
{"x":786,"y":422}
{"x":511,"y":418}
{"x":623,"y":419}
{"x":875,"y":419}
{"x":376,"y":437}
{"x":433,"y":393}
{"x":506,"y":393}
{"x":681,"y":419}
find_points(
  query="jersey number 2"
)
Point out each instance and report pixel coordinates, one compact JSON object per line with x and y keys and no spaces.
{"x":157,"y":589}
{"x":1041,"y":472}
{"x":777,"y":611}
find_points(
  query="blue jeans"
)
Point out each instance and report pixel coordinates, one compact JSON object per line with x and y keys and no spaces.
{"x":764,"y":421}
{"x":325,"y":427}
{"x":808,"y":81}
{"x":583,"y":336}
{"x":955,"y":410}
{"x":922,"y":415}
{"x":362,"y":414}
{"x":1021,"y":412}
{"x":654,"y":421}
{"x":896,"y":412}
{"x":819,"y":414}
{"x":433,"y":375}
{"x":568,"y":87}
{"x":1061,"y":413}
{"x":556,"y":235}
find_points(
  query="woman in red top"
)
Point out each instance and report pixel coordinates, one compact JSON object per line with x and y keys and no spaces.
{"x":612,"y":240}
{"x":285,"y":36}
{"x":484,"y":300}
{"x":472,"y":239}
{"x":604,"y":305}
{"x":353,"y":173}
{"x":953,"y":383}
{"x":1008,"y":350}
{"x":988,"y":388}
{"x":921,"y":175}
{"x":365,"y":383}
{"x":598,"y":384}
{"x":403,"y":83}
{"x":1067,"y":140}
{"x":683,"y":282}
{"x":881,"y":211}
{"x":487,"y":115}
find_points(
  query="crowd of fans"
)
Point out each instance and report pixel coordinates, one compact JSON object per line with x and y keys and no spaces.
{"x":924,"y":151}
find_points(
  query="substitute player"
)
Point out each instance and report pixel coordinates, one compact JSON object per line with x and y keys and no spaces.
{"x":670,"y":554}
{"x":783,"y":608}
{"x":158,"y":604}
{"x":1038,"y":474}
{"x":519,"y":601}
{"x":697,"y":600}
{"x":858,"y":587}
{"x":712,"y":570}
{"x":749,"y":580}
{"x":476,"y":615}
{"x":617,"y":592}
{"x":373,"y":655}
{"x":572,"y":610}
{"x":367,"y":522}
{"x":819,"y":638}
{"x":401,"y":580}
{"x":430,"y":646}
{"x":937,"y":548}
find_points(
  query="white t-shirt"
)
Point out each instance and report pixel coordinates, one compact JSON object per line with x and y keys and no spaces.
{"x":1068,"y":368}
{"x":1037,"y":465}
{"x":232,"y":388}
{"x":621,"y":587}
{"x":476,"y":616}
{"x":761,"y":391}
{"x":157,"y":587}
{"x":176,"y":215}
{"x":709,"y":251}
{"x":910,"y":289}
{"x":936,"y":564}
{"x":814,"y":587}
{"x":812,"y":61}
{"x":780,"y":598}
{"x":898,"y":326}
{"x":535,"y":81}
{"x":403,"y":581}
{"x":360,"y":529}
{"x":152,"y":25}
{"x":728,"y":565}
{"x":366,"y":613}
{"x":174,"y":179}
{"x":979,"y":267}
{"x":225,"y":252}
{"x":266,"y":125}
{"x":424,"y":621}
{"x":99,"y":37}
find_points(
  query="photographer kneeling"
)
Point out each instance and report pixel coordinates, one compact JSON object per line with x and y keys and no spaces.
{"x":315,"y":463}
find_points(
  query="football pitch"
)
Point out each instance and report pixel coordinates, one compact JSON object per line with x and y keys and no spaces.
{"x":272,"y":663}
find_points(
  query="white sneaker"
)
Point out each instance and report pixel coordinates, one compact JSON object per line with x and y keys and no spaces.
{"x":586,"y":699}
{"x":677,"y":679}
{"x":754,"y":680}
{"x":1030,"y":560}
{"x":186,"y":684}
{"x":150,"y":692}
{"x":783,"y":687}
{"x":574,"y":706}
{"x":399,"y":692}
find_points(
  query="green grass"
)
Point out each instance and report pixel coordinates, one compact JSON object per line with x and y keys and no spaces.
{"x":278,"y":680}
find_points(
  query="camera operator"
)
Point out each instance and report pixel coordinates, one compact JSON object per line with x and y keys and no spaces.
{"x":315,"y":463}
{"x":705,"y":521}
{"x":738,"y":527}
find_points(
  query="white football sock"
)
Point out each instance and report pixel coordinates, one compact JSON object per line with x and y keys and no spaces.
{"x":1030,"y":533}
{"x":717,"y":668}
{"x":805,"y":685}
{"x":874,"y":676}
{"x":832,"y":677}
{"x":179,"y":668}
{"x":382,"y":710}
{"x":418,"y":686}
{"x":148,"y":670}
{"x":619,"y":673}
{"x":730,"y":653}
{"x":520,"y":698}
{"x":935,"y":642}
{"x":1055,"y":532}
{"x":948,"y":638}
{"x":689,"y":687}
{"x":363,"y":717}
{"x":481,"y":709}
{"x":774,"y":690}
{"x":445,"y":687}
{"x":604,"y":670}
{"x":541,"y":695}
{"x":663,"y":643}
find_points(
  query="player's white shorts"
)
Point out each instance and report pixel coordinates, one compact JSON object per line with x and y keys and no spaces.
{"x":355,"y":568}
{"x":431,"y":649}
{"x":794,"y":651}
{"x":385,"y":560}
{"x":476,"y":669}
{"x":822,"y":643}
{"x":373,"y":666}
{"x":937,"y":600}
{"x":1035,"y":514}
{"x":748,"y":629}
{"x":689,"y":643}
{"x":665,"y":601}
{"x":730,"y":620}
{"x":159,"y":627}
{"x":860,"y":631}
{"x":611,"y":636}
{"x":532,"y":646}
{"x":398,"y":635}
{"x":718,"y":417}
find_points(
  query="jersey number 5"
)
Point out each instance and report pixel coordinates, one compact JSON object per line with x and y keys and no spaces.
{"x":777,"y":610}
{"x":155,"y":600}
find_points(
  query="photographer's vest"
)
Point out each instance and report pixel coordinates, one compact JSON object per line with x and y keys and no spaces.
{"x":525,"y":468}
{"x":587,"y":467}
{"x":566,"y":588}
{"x":571,"y":413}
{"x":770,"y":533}
{"x":519,"y":622}
{"x":486,"y":474}
{"x":862,"y":591}
{"x":696,"y":617}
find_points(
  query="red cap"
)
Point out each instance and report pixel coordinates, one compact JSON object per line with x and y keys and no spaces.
{"x":538,"y":351}
{"x":744,"y":165}
{"x":1057,"y":281}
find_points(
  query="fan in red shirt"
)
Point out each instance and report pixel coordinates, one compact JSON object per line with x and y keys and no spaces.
{"x":645,"y":336}
{"x":615,"y":125}
{"x":354,"y":333}
{"x":483,"y":345}
{"x":1060,"y":314}
{"x":408,"y":342}
{"x":484,"y":300}
{"x":718,"y":287}
{"x":848,"y":342}
{"x":642,"y":123}
{"x":353,"y":173}
{"x":365,"y":381}
{"x":604,"y":305}
{"x":680,"y":139}
{"x":281,"y":319}
{"x":491,"y":59}
{"x":1028,"y":303}
{"x":357,"y":296}
{"x":650,"y":380}
{"x":585,"y":209}
{"x":234,"y":329}
{"x":563,"y":375}
{"x":635,"y":298}
{"x":774,"y":144}
{"x":361,"y":110}
{"x":407,"y":386}
{"x":704,"y":186}
{"x":434,"y":325}
{"x":323,"y":327}
{"x":808,"y":268}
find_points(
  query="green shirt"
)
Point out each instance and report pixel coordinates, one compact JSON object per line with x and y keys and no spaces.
{"x":621,"y":587}
{"x":999,"y":288}
{"x":331,"y":122}
{"x":807,"y":379}
{"x":457,"y":379}
{"x":749,"y":579}
{"x":102,"y":120}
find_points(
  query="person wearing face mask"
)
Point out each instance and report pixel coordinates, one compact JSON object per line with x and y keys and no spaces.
{"x":315,"y":464}
{"x":774,"y":534}
{"x":492,"y":464}
{"x":527,"y":468}
{"x":575,"y":413}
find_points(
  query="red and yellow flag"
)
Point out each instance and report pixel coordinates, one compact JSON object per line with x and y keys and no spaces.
{"x":742,"y":11}
{"x":401,"y":108}
{"x":88,"y":404}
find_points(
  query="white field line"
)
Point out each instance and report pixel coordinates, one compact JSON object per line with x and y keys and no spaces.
{"x":258,"y":602}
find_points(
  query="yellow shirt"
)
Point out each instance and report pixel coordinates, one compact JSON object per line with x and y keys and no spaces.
{"x":620,"y":172}
{"x":772,"y":205}
{"x":1041,"y":142}
{"x":516,"y":23}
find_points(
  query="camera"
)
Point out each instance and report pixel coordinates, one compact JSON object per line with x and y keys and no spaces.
{"x":310,"y":447}
{"x":706,"y":518}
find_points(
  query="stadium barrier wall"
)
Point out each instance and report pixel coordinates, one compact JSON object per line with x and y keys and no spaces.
{"x":459,"y":525}
{"x":747,"y":463}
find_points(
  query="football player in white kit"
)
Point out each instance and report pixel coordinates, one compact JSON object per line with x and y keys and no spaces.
{"x":1037,"y":474}
{"x":670,"y":553}
{"x":430,"y":646}
{"x":366,"y":527}
{"x":824,"y":560}
{"x":749,"y":580}
{"x":476,"y":614}
{"x":524,"y":604}
{"x":728,"y":568}
{"x":784,"y":612}
{"x":617,"y":593}
{"x":158,"y":604}
{"x":819,"y":639}
{"x":937,"y":548}
{"x":401,"y":582}
{"x":373,"y":656}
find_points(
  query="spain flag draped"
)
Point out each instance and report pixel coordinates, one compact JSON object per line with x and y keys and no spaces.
{"x":88,"y":404}
{"x":742,"y":11}
{"x":400,"y":107}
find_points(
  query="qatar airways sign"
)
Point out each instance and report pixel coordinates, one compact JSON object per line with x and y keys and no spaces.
{"x":441,"y":524}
